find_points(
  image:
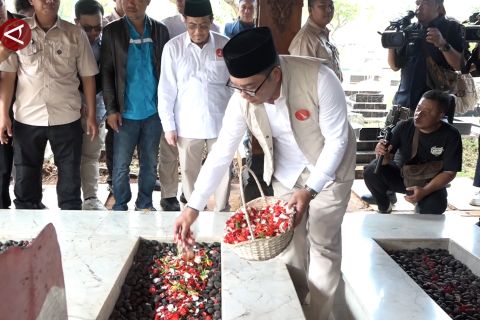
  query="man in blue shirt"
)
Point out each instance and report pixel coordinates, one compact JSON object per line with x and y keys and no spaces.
{"x":245,"y":21}
{"x":131,"y":54}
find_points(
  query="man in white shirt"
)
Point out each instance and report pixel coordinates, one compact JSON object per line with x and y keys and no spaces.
{"x":168,"y":154}
{"x":176,"y":24}
{"x":192,"y":94}
{"x":296,"y":109}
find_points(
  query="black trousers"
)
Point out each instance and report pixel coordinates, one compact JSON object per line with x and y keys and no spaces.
{"x":6,"y":161}
{"x":389,"y":178}
{"x":29,"y":150}
{"x":250,"y":186}
{"x":109,"y":152}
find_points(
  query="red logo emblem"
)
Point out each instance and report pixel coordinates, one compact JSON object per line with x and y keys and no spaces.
{"x":15,"y":34}
{"x":219,"y":53}
{"x":302,"y":114}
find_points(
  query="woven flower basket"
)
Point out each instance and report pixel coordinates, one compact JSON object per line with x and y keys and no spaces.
{"x":260,"y":249}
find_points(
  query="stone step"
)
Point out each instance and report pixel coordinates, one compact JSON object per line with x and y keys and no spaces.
{"x":464,"y":128}
{"x":368,"y":145}
{"x":372,"y":113}
{"x":364,"y":156}
{"x":359,"y":170}
{"x":369,"y":134}
{"x":348,"y":93}
{"x":367,"y":97}
{"x":354,"y":78}
{"x":363,"y":106}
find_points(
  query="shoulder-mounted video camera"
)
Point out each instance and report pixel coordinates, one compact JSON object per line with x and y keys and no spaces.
{"x":401,"y":32}
{"x":472,"y":28}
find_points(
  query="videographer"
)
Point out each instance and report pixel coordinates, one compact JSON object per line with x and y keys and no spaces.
{"x":443,"y":41}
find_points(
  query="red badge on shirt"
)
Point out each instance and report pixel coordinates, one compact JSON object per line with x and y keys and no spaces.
{"x":219,"y":53}
{"x":15,"y":34}
{"x":302,"y":114}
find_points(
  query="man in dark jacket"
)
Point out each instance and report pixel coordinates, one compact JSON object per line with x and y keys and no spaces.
{"x":131,"y":54}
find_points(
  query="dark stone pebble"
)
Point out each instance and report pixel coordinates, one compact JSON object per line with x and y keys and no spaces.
{"x":446,"y":280}
{"x":135,"y":301}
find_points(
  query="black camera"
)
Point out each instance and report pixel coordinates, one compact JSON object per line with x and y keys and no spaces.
{"x":401,"y":32}
{"x":472,"y":33}
{"x":472,"y":28}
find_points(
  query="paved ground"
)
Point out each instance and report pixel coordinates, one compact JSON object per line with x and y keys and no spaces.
{"x":459,"y":195}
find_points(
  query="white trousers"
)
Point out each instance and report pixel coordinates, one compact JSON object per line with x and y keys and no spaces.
{"x":314,"y":256}
{"x":190,"y":154}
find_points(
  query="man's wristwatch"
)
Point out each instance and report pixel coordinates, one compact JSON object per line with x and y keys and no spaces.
{"x":445,"y":48}
{"x":312,"y":192}
{"x":197,"y":211}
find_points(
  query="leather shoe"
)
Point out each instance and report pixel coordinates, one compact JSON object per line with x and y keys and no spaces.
{"x":157,"y":185}
{"x":368,"y":198}
{"x":170,"y":204}
{"x":183,"y":199}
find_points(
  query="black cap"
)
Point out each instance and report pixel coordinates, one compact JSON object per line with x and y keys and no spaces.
{"x":250,"y":52}
{"x":198,"y":8}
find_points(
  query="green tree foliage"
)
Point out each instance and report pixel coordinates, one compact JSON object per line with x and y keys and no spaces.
{"x":345,"y":11}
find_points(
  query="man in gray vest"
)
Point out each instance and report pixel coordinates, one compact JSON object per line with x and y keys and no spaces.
{"x":313,"y":153}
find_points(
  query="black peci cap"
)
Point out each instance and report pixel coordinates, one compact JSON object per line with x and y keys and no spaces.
{"x":197,"y":8}
{"x":250,"y":52}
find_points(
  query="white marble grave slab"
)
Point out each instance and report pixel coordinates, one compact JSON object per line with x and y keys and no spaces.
{"x":98,"y":247}
{"x":375,"y":287}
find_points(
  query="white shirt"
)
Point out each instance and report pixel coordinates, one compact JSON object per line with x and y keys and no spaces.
{"x":192,"y":96}
{"x":176,"y":25}
{"x":289,"y":160}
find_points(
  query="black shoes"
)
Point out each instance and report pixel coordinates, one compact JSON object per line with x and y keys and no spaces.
{"x":183,"y":199}
{"x":170,"y":204}
{"x":157,"y":185}
{"x":368,"y":198}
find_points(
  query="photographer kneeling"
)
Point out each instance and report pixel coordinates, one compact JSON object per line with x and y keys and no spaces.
{"x":432,"y":154}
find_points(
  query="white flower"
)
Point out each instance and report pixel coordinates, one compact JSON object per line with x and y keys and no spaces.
{"x":197,"y":259}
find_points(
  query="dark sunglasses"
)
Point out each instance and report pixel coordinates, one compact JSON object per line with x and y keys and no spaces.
{"x":91,"y":28}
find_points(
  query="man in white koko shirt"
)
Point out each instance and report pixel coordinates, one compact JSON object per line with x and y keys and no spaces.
{"x":192,"y":96}
{"x":296,"y":108}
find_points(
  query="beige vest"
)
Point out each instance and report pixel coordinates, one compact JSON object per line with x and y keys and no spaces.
{"x":299,"y":83}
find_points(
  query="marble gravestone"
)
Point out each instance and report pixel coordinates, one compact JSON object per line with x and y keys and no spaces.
{"x":31,"y":278}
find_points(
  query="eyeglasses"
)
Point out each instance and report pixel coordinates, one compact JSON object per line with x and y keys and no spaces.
{"x":201,"y":27}
{"x":92,"y":28}
{"x":251,"y":93}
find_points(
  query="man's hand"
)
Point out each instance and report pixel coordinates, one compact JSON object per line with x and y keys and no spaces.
{"x":114,"y":120}
{"x":434,"y":36}
{"x":299,"y":200}
{"x":181,"y":229}
{"x":92,"y":128}
{"x":381,"y":149}
{"x":5,"y":129}
{"x":171,"y":137}
{"x":415,"y":194}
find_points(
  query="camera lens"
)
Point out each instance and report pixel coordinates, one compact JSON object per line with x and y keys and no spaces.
{"x":393,"y":39}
